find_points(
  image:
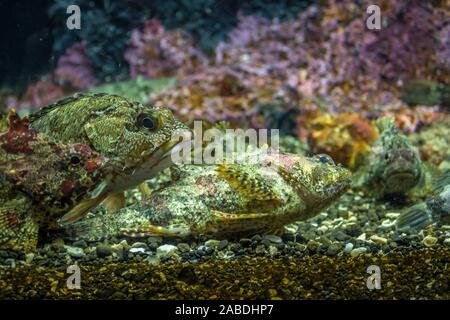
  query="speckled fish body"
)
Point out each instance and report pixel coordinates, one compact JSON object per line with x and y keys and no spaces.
{"x":40,"y":181}
{"x":228,"y":200}
{"x":136,"y":138}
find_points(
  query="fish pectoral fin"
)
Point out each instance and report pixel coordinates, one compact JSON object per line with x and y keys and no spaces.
{"x":416,"y":217}
{"x":80,"y":210}
{"x":251,"y":187}
{"x":144,"y":189}
{"x":223,"y":216}
{"x":114,"y":202}
{"x":310,"y":198}
{"x":150,"y":230}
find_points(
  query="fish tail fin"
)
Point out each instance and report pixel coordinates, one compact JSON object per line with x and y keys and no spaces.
{"x":418,"y":217}
{"x":442,"y":181}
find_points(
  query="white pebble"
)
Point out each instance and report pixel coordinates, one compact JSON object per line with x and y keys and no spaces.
{"x":137,"y":250}
{"x":392,"y":215}
{"x":292,"y":228}
{"x":348,"y":247}
{"x":166,"y":250}
{"x":429,"y":241}
{"x":362,"y":237}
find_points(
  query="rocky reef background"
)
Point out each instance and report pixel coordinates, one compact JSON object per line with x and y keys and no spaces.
{"x":312,"y":70}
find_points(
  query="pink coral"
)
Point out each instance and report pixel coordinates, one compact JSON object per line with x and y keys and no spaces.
{"x":39,"y":94}
{"x":155,"y":52}
{"x":74,"y":69}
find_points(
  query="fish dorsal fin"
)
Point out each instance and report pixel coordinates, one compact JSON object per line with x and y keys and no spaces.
{"x":251,"y":186}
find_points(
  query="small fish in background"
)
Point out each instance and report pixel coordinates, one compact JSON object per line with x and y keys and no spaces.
{"x":228,"y":200}
{"x":137,"y":138}
{"x":436,"y":209}
{"x":40,"y":181}
{"x":394,"y":166}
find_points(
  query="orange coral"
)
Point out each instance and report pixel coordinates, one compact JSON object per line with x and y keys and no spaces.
{"x":345,"y":137}
{"x":410,"y":120}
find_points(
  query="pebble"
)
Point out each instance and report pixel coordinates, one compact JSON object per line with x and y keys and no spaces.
{"x":429,"y":241}
{"x":273,"y":238}
{"x":123,"y":245}
{"x":387,"y":224}
{"x":362,"y":237}
{"x":378,"y":239}
{"x":358,"y":251}
{"x":154,"y":260}
{"x":392,"y":215}
{"x":212,"y":243}
{"x":103,"y":250}
{"x":260,"y":249}
{"x":333,"y":249}
{"x":57,"y":244}
{"x":11,"y":262}
{"x":75,"y":252}
{"x":292,"y":228}
{"x":447,"y":242}
{"x":183,"y":247}
{"x":80,"y":244}
{"x":166,"y":250}
{"x":138,"y":250}
{"x":352,"y":229}
{"x":245,"y":242}
{"x":139,"y":245}
{"x":223,"y":244}
{"x":348,"y":247}
{"x":312,"y":245}
{"x":29,"y":257}
{"x":273,"y":250}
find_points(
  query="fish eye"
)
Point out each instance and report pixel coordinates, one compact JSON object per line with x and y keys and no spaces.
{"x":75,"y":159}
{"x":324,"y":158}
{"x":147,"y":121}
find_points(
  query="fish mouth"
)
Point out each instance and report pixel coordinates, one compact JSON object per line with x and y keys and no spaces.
{"x":400,"y":181}
{"x":148,"y":164}
{"x":163,"y":157}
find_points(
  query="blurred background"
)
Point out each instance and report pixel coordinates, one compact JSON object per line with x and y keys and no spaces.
{"x":309,"y":68}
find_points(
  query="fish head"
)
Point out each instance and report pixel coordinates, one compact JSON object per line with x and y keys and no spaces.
{"x":137,"y":138}
{"x":317,"y":179}
{"x":396,"y":163}
{"x":55,"y":175}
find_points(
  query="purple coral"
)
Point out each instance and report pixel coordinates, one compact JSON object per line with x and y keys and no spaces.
{"x":155,"y":52}
{"x":74,"y":69}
